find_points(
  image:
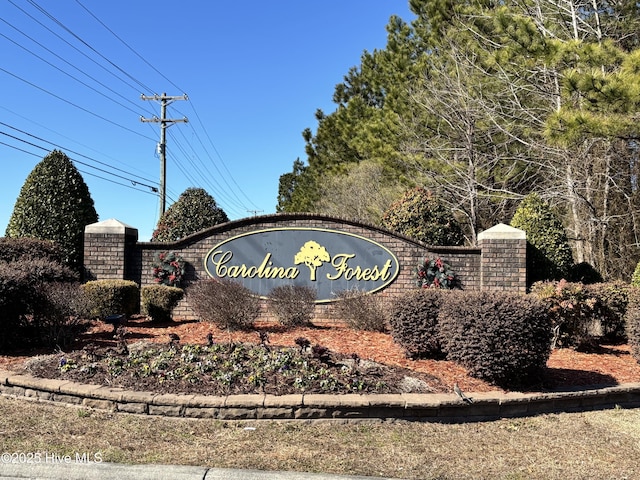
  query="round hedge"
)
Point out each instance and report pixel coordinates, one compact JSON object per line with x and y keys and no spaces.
{"x":499,"y":337}
{"x":413,"y":318}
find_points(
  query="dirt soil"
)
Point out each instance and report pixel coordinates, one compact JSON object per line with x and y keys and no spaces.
{"x":566,"y":369}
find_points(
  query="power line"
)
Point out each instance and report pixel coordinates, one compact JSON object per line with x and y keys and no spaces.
{"x":71,"y":103}
{"x":69,"y":139}
{"x":164,"y":122}
{"x":129,"y":47}
{"x":233,"y":190}
{"x":54,"y":19}
{"x":68,"y":74}
{"x":88,"y":57}
{"x":76,"y":153}
{"x":228,"y":187}
{"x":221,"y":161}
{"x":82,"y":171}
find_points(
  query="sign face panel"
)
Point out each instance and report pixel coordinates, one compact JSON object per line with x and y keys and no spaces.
{"x":329,"y":261}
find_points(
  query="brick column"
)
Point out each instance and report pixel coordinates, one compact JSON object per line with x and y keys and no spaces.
{"x":105,"y":250}
{"x":503,"y":261}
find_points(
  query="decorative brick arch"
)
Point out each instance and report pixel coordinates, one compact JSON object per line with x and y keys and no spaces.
{"x":112,"y":251}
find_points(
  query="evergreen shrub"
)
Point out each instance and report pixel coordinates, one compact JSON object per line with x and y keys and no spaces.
{"x":12,"y":249}
{"x":60,"y":321}
{"x":111,"y":297}
{"x":612,"y":301}
{"x":632,"y":321}
{"x":13,"y":304}
{"x":583,"y":316}
{"x":21,"y":284}
{"x":28,"y":304}
{"x":421,"y":215}
{"x":226,"y":303}
{"x":498,"y":337}
{"x":361,"y":311}
{"x":585,"y":273}
{"x":158,"y":301}
{"x":549,"y":255}
{"x":635,"y":278}
{"x":293,"y":305}
{"x":413,"y":318}
{"x":194,"y":211}
{"x":54,"y":204}
{"x":571,"y":311}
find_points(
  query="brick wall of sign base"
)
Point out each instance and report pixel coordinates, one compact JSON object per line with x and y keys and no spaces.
{"x":498,"y":262}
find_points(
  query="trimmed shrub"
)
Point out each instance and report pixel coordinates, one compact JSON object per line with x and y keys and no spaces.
{"x":42,"y":270}
{"x":632,"y":321}
{"x":571,"y":311}
{"x":361,"y":311}
{"x":60,"y":320}
{"x":28,"y":303}
{"x":54,"y":204}
{"x":194,"y":211}
{"x":111,"y":297}
{"x":226,"y":303}
{"x":293,"y":305}
{"x":498,"y":337}
{"x":13,"y":302}
{"x":158,"y":301}
{"x":549,"y":255}
{"x":414,"y":322}
{"x":421,"y":215}
{"x":12,"y":249}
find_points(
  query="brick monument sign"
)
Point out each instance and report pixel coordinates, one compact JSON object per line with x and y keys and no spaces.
{"x":327,"y":253}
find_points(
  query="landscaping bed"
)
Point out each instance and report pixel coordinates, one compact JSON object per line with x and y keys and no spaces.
{"x":354,"y":361}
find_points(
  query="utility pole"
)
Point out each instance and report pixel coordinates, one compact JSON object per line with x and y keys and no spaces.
{"x":162,"y":146}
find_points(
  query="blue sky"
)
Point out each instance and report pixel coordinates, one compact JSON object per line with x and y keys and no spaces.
{"x":73,"y":72}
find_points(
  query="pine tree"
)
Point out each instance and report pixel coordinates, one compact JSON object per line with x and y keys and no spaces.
{"x":194,"y":211}
{"x":54,"y":204}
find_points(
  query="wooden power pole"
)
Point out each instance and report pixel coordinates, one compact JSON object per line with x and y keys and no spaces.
{"x":162,"y":146}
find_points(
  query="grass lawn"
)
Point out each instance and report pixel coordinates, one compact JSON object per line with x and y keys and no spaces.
{"x":590,"y":445}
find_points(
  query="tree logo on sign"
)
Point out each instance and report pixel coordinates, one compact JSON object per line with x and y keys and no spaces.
{"x":312,"y":254}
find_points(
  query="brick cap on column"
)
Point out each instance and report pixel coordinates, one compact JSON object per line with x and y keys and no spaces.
{"x":502,"y":231}
{"x":112,"y":226}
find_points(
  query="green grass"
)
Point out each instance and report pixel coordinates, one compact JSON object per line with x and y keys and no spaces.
{"x":590,"y":445}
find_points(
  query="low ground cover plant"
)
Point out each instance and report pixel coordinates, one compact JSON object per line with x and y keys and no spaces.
{"x":228,"y":368}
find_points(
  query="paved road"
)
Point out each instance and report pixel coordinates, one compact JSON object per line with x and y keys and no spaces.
{"x":113,"y":471}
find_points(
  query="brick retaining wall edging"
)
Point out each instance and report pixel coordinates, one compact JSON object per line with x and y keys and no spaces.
{"x":312,"y":407}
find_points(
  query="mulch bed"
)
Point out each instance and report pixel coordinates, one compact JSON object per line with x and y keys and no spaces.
{"x":567,"y":368}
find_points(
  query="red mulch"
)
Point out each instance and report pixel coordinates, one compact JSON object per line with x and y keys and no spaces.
{"x":611,"y":365}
